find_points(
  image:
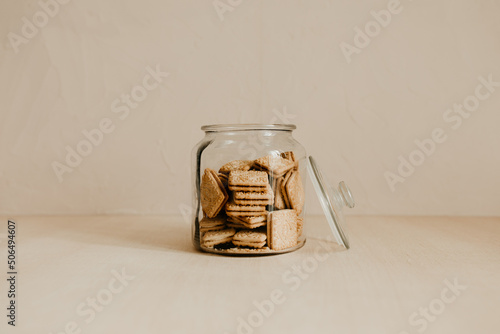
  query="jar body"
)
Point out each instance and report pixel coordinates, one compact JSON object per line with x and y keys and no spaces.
{"x":248,"y":186}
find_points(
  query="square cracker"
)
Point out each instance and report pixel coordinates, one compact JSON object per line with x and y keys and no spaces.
{"x":246,"y":213}
{"x":241,"y":165}
{"x":246,"y":202}
{"x":253,"y":219}
{"x":223,"y":179}
{"x":275,"y":165}
{"x":250,"y":238}
{"x":282,"y":229}
{"x":289,"y":155}
{"x":212,"y":238}
{"x":240,"y":222}
{"x":213,"y":195}
{"x":283,"y":189}
{"x":254,"y":195}
{"x":232,"y":206}
{"x":212,"y":224}
{"x":279,"y":202}
{"x":247,"y":188}
{"x":251,"y":178}
{"x":295,"y":192}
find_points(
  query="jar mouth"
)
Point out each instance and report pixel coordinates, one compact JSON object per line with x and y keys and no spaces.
{"x":247,"y":127}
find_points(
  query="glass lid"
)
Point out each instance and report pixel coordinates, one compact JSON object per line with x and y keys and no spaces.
{"x":332,"y":199}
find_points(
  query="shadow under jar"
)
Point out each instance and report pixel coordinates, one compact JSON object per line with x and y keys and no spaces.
{"x":248,"y":190}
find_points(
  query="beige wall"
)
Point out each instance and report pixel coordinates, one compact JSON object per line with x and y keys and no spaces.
{"x":357,"y":116}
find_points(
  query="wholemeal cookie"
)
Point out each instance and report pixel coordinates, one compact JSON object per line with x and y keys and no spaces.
{"x":246,"y":202}
{"x":289,"y":155}
{"x":267,"y":194}
{"x":212,"y":224}
{"x":236,"y":165}
{"x":213,"y":238}
{"x":254,"y":226}
{"x":253,"y":219}
{"x":235,"y":222}
{"x":295,"y":192}
{"x":252,"y":222}
{"x":232,"y":206}
{"x":213,"y":194}
{"x":279,"y":202}
{"x":275,"y":165}
{"x":250,"y":238}
{"x":284,"y":193}
{"x":248,"y":181}
{"x":246,"y":213}
{"x":282,"y":229}
{"x":223,"y":179}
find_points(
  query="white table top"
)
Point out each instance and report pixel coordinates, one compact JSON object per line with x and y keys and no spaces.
{"x":398,"y":268}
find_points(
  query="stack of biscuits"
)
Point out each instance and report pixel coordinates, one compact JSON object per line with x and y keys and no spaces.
{"x":252,"y":205}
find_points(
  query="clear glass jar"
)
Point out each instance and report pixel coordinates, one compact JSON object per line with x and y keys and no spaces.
{"x":248,"y":190}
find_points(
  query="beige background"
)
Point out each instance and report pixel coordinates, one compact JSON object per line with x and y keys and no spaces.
{"x":356,"y":118}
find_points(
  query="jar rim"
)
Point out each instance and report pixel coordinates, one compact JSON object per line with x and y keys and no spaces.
{"x":247,"y":127}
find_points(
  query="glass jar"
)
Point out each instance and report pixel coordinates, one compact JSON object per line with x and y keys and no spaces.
{"x":248,"y":190}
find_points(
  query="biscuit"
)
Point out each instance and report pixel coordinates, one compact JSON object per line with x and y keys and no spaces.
{"x":223,"y":179}
{"x":250,"y":222}
{"x":288,"y":155}
{"x":291,"y":156}
{"x":249,"y":238}
{"x":282,"y":229}
{"x":248,"y":181}
{"x":235,"y":222}
{"x":255,"y":195}
{"x":212,"y":224}
{"x":236,"y":165}
{"x":275,"y":165}
{"x":243,"y":188}
{"x":246,"y":213}
{"x":238,"y":221}
{"x":245,"y":202}
{"x":232,"y":206}
{"x":213,"y":238}
{"x":279,"y":202}
{"x":283,"y":189}
{"x":253,"y":219}
{"x":295,"y":192}
{"x":213,"y":195}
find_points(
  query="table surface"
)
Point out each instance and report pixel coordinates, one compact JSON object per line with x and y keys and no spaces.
{"x":140,"y":274}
